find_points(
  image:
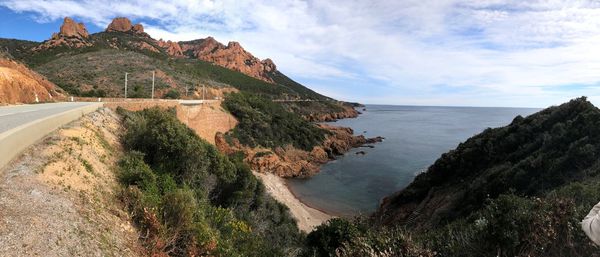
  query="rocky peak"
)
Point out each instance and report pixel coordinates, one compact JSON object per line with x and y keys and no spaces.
{"x":138,"y":28}
{"x":71,"y":34}
{"x":70,"y":28}
{"x":202,"y":46}
{"x":269,"y":65}
{"x":122,"y":24}
{"x":234,"y":45}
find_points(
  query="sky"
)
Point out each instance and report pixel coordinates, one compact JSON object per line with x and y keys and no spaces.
{"x":510,"y":53}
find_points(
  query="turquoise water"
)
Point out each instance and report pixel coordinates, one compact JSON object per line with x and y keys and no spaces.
{"x":415,"y":137}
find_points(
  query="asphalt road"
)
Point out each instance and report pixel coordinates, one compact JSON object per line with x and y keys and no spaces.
{"x":14,"y":116}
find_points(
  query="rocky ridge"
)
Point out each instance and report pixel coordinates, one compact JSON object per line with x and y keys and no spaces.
{"x":288,"y":162}
{"x":233,"y":56}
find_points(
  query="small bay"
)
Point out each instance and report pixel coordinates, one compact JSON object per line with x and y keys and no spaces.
{"x":415,"y":136}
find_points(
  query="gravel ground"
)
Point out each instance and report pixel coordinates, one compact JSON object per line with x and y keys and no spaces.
{"x":59,"y":198}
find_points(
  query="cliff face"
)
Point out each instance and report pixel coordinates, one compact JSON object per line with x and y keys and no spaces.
{"x":233,"y":56}
{"x":288,"y":162}
{"x":18,"y":84}
{"x":529,"y":158}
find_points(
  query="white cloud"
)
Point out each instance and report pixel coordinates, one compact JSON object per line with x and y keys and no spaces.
{"x":510,"y":50}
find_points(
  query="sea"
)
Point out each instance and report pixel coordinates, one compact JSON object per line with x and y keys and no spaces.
{"x":415,"y":136}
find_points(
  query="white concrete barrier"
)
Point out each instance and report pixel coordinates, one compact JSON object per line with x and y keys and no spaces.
{"x":13,"y":142}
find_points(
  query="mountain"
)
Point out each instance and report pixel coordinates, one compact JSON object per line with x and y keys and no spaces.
{"x":529,"y":158}
{"x":95,"y":64}
{"x":18,"y":84}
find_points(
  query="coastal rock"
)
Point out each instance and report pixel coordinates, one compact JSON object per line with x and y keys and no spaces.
{"x":291,"y":162}
{"x":71,"y":34}
{"x":348,"y":112}
{"x":233,"y":56}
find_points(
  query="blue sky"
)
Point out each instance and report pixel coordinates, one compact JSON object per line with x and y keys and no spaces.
{"x":414,"y":52}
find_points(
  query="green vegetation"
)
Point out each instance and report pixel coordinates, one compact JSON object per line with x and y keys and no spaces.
{"x":265,"y":123}
{"x":173,"y":94}
{"x":191,"y":200}
{"x":313,"y":107}
{"x":360,"y":237}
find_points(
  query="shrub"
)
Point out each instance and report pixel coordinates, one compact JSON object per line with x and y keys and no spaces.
{"x":326,"y":238}
{"x":172,"y":94}
{"x":209,"y":204}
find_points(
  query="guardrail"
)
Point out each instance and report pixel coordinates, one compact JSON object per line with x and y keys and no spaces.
{"x":16,"y":140}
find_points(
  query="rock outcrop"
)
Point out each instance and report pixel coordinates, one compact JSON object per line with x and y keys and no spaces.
{"x":233,"y":56}
{"x":18,"y":84}
{"x":122,"y":24}
{"x":291,"y":162}
{"x":71,"y":34}
{"x":172,"y":48}
{"x":70,"y":28}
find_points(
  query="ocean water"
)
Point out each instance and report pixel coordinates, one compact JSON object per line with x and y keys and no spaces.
{"x":415,"y":137}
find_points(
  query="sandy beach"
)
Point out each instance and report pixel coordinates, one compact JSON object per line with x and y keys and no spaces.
{"x":308,"y":218}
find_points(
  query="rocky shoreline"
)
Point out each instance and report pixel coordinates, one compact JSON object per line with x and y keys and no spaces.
{"x":347,"y":113}
{"x":290,"y":162}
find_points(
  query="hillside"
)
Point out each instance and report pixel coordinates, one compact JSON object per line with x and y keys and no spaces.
{"x":530,"y":157}
{"x":19,"y":84}
{"x":95,"y":64}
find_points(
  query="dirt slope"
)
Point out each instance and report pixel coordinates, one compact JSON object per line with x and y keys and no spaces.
{"x":19,"y":84}
{"x":60,"y":197}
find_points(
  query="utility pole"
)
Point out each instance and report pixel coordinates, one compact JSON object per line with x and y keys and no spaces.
{"x":125,"y":85}
{"x":153,"y":85}
{"x":203,"y":92}
{"x":186,"y":90}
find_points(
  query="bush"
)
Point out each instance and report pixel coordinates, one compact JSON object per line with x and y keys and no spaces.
{"x":172,"y":94}
{"x":516,"y":226}
{"x":193,"y":200}
{"x":326,"y":238}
